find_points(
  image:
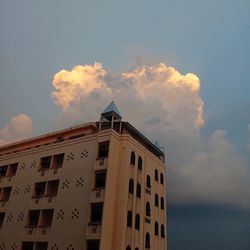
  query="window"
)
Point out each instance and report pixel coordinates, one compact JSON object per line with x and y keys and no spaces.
{"x":96,"y":212}
{"x":33,"y":218}
{"x":156,"y":174}
{"x":12,"y":169}
{"x":148,"y":182}
{"x":129,"y":219}
{"x":162,"y":231}
{"x":128,"y":248}
{"x":39,"y":189}
{"x":156,"y":200}
{"x":137,"y":221}
{"x":131,"y":186}
{"x":5,"y":194}
{"x":162,"y":179}
{"x":41,"y":246}
{"x":140,"y":163}
{"x":162,"y":203}
{"x":27,"y":245}
{"x":93,"y":244}
{"x":136,"y":248}
{"x":103,"y":150}
{"x":132,"y":158}
{"x":45,"y":162}
{"x":1,"y":219}
{"x":46,"y":218}
{"x":52,"y":188}
{"x":58,"y":161}
{"x":147,"y":209}
{"x":3,"y":171}
{"x":147,"y":242}
{"x":156,"y":228}
{"x":100,"y":179}
{"x":138,"y":190}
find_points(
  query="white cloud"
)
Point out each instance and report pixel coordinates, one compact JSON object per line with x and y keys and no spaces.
{"x":19,"y":127}
{"x":165,"y":105}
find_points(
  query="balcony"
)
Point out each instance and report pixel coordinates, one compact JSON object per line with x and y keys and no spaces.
{"x":94,"y":230}
{"x":39,"y":222}
{"x":97,"y":195}
{"x":101,"y":163}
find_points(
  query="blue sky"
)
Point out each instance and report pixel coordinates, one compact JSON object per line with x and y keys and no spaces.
{"x":208,"y":38}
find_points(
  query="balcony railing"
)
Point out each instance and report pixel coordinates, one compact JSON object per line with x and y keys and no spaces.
{"x":101,"y":163}
{"x":94,"y":230}
{"x":37,"y":230}
{"x":97,"y":195}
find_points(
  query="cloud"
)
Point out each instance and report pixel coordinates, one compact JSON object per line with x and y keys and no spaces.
{"x":217,"y":174}
{"x":19,"y":127}
{"x":166,"y":106}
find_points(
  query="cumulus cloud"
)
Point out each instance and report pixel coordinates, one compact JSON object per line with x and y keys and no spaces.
{"x":18,"y":128}
{"x":166,"y":106}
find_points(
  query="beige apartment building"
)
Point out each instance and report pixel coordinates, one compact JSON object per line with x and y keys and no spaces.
{"x":100,"y":185}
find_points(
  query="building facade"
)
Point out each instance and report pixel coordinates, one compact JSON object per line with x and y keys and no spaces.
{"x":99,"y":185}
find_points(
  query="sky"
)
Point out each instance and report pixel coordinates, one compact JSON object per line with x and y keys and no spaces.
{"x":178,"y":71}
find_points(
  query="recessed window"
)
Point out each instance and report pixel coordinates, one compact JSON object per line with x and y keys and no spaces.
{"x":131,"y":186}
{"x":148,"y":209}
{"x":46,"y":218}
{"x":45,"y":162}
{"x":147,"y":241}
{"x":162,"y":203}
{"x":103,"y":149}
{"x":156,"y":175}
{"x":156,"y":200}
{"x":58,"y":161}
{"x":52,"y":188}
{"x":128,"y":248}
{"x":93,"y":244}
{"x":100,"y":179}
{"x":162,"y":178}
{"x":96,"y":212}
{"x":138,"y":190}
{"x":148,"y":182}
{"x":137,"y":222}
{"x":27,"y":245}
{"x":132,"y":158}
{"x":129,"y":219}
{"x":12,"y":169}
{"x":140,"y":163}
{"x":33,"y":218}
{"x":5,"y":194}
{"x":3,"y":171}
{"x":156,"y":228}
{"x":39,"y":189}
{"x":41,"y":246}
{"x":162,"y":231}
{"x":1,"y":219}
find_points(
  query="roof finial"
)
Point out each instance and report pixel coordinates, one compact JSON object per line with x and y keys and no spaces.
{"x":111,"y":108}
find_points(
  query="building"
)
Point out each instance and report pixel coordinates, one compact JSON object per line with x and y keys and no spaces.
{"x":100,"y":185}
